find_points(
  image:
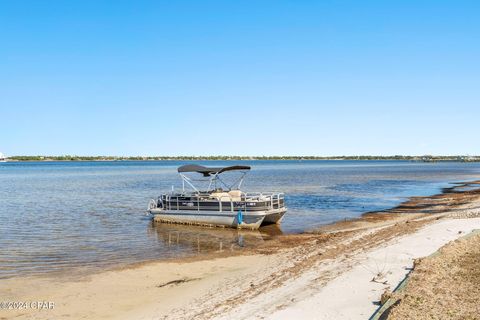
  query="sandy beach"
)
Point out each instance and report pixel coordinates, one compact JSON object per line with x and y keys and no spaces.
{"x":339,"y":271}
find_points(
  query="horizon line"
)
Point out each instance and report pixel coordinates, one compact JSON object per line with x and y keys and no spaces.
{"x":244,"y":156}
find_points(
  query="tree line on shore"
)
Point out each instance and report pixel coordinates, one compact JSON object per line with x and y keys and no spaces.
{"x":424,"y":158}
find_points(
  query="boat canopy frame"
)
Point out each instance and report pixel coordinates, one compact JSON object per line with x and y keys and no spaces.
{"x":213,"y":173}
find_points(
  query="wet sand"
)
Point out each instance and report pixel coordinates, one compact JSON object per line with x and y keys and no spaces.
{"x":268,"y":281}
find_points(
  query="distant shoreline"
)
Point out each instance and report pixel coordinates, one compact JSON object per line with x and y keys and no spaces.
{"x":68,"y":158}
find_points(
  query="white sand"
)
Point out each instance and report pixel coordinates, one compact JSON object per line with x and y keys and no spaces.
{"x":353,"y":295}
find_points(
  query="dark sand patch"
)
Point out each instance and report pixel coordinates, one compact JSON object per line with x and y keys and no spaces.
{"x":444,"y":286}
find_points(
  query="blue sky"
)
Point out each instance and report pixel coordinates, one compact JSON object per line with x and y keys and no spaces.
{"x":239,"y":77}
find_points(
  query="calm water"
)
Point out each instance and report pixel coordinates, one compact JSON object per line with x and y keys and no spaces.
{"x":80,"y":216}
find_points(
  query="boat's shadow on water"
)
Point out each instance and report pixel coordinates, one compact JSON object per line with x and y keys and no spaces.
{"x":205,"y":239}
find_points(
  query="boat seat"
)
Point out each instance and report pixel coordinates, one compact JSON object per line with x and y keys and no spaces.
{"x":221,"y":196}
{"x":236,"y":195}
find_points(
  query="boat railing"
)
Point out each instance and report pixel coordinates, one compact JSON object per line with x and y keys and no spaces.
{"x":275,"y":200}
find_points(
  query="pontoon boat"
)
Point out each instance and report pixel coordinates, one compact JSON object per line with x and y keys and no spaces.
{"x":216,"y":206}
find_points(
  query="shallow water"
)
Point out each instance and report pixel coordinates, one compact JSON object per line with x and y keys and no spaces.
{"x":59,"y":216}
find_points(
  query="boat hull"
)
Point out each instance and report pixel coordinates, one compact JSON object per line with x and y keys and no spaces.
{"x":209,"y":218}
{"x":274,"y":216}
